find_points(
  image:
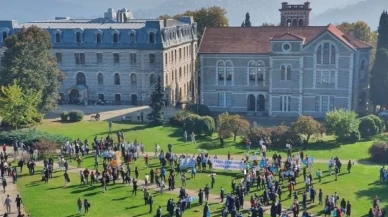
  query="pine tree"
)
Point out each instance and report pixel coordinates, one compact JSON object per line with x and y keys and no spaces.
{"x":379,"y":78}
{"x":383,"y":31}
{"x":243,"y":24}
{"x":158,"y":101}
{"x":247,"y":21}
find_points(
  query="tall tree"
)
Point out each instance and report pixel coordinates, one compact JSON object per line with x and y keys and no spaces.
{"x":379,"y":78}
{"x":18,"y":107}
{"x":232,"y":125}
{"x":243,"y":24}
{"x":158,"y":101}
{"x":361,"y":31}
{"x":28,"y":60}
{"x":382,"y":40}
{"x":247,"y":22}
{"x":306,"y":125}
{"x":206,"y":17}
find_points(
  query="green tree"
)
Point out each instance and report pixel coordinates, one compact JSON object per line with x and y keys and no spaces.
{"x":205,"y":17}
{"x":158,"y":101}
{"x":28,"y":60}
{"x":243,"y":24}
{"x":18,"y":107}
{"x":382,"y":39}
{"x":343,"y":124}
{"x":361,"y":30}
{"x":306,"y":125}
{"x":247,"y":22}
{"x":379,"y":79}
{"x":232,"y":125}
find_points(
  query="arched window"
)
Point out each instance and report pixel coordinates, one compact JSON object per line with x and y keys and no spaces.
{"x":78,"y":37}
{"x":57,"y":37}
{"x":300,"y":22}
{"x":289,"y":73}
{"x":5,"y":35}
{"x":256,"y":72}
{"x":294,"y":22}
{"x":326,"y":54}
{"x":98,"y":38}
{"x":152,"y":79}
{"x":133,"y":79}
{"x":100,"y":78}
{"x":117,"y":79}
{"x":151,"y":37}
{"x":132,"y":38}
{"x":362,"y":69}
{"x":81,"y":80}
{"x":225,"y":72}
{"x":115,"y":38}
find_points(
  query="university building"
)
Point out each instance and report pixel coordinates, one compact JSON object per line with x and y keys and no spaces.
{"x":117,"y":58}
{"x":287,"y":70}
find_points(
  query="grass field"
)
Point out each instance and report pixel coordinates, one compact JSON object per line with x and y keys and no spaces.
{"x":164,"y":135}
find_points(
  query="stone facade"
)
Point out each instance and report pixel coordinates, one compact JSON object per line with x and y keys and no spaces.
{"x":118,"y":59}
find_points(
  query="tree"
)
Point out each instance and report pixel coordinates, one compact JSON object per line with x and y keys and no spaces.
{"x":247,"y":22}
{"x":206,"y":17}
{"x":46,"y":148}
{"x":243,"y":24}
{"x":158,"y":101}
{"x":306,"y":125}
{"x":18,"y":107}
{"x":344,"y":124}
{"x":269,"y":24}
{"x":29,"y":61}
{"x":382,"y":40}
{"x":379,"y":78}
{"x":360,"y":29}
{"x":232,"y":125}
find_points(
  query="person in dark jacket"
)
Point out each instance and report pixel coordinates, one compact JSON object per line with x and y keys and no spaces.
{"x":348,"y":209}
{"x":200,"y":197}
{"x":274,"y":210}
{"x":206,"y":209}
{"x":159,"y":212}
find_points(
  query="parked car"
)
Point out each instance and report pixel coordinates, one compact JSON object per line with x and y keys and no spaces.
{"x":383,"y":113}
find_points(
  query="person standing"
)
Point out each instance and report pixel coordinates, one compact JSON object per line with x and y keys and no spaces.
{"x":192,"y":137}
{"x":146,"y":195}
{"x":336,"y":171}
{"x":200,"y":197}
{"x":348,"y":209}
{"x":349,"y":166}
{"x":134,"y":185}
{"x":150,"y":202}
{"x":222,"y":194}
{"x":320,"y":197}
{"x":4,"y":182}
{"x":207,"y":191}
{"x":86,"y":206}
{"x":7,"y":204}
{"x":18,"y":202}
{"x":103,"y":183}
{"x":138,"y":115}
{"x":110,"y":126}
{"x":79,"y":205}
{"x":159,"y":212}
{"x":142,"y":117}
{"x":185,"y":135}
{"x":206,"y":210}
{"x":67,"y":178}
{"x":213,"y":179}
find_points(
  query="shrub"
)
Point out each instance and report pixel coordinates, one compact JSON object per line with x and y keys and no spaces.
{"x":199,"y":109}
{"x":378,"y":122}
{"x":232,"y":125}
{"x":343,"y":124}
{"x":208,"y":125}
{"x":306,"y":125}
{"x":379,"y":152}
{"x":179,"y":117}
{"x":64,"y":116}
{"x":193,"y":123}
{"x":30,"y":137}
{"x":46,"y":148}
{"x":76,"y":115}
{"x":282,"y":134}
{"x":368,"y":127}
{"x":256,"y":133}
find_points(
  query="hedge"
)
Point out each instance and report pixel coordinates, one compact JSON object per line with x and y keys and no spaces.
{"x":199,"y":109}
{"x":179,"y":117}
{"x":76,"y":115}
{"x":29,"y":137}
{"x":199,"y":125}
{"x":368,"y":127}
{"x":64,"y":116}
{"x":379,"y":152}
{"x":208,"y":125}
{"x":378,"y":122}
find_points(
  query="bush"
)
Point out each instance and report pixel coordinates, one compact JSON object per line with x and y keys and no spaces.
{"x":208,"y":125}
{"x":199,"y":109}
{"x":344,"y":124}
{"x":378,"y":122}
{"x":46,"y":148}
{"x":179,"y":117}
{"x":76,"y":115}
{"x":64,"y":116}
{"x":30,"y":137}
{"x":379,"y":152}
{"x":368,"y":127}
{"x":282,"y":134}
{"x":256,"y":133}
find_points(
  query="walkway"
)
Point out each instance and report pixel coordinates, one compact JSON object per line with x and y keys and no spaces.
{"x":12,"y":191}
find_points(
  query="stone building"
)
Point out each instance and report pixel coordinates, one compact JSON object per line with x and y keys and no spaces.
{"x":287,"y":70}
{"x":117,"y":58}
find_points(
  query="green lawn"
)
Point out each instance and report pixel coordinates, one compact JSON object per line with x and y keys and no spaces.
{"x":164,"y":135}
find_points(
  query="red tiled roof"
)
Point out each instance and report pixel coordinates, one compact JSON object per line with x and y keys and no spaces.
{"x":361,"y":44}
{"x":288,"y":37}
{"x":256,"y":40}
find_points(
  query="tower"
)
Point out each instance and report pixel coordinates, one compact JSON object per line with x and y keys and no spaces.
{"x":295,"y":15}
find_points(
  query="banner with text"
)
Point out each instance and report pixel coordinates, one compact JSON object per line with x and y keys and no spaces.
{"x":187,"y":163}
{"x":228,"y":164}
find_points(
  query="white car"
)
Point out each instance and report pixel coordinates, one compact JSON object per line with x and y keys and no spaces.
{"x":383,"y":113}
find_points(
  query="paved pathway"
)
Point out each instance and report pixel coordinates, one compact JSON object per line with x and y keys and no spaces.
{"x":12,"y":191}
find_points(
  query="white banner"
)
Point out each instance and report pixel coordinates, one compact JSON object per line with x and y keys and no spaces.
{"x":187,"y":163}
{"x":228,"y":164}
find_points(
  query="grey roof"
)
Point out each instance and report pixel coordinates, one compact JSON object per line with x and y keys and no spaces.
{"x":83,"y":25}
{"x":172,"y":22}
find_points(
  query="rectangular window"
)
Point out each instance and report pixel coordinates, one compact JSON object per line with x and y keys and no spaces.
{"x":324,"y":103}
{"x":99,"y":58}
{"x":59,"y":57}
{"x":228,"y":76}
{"x":252,"y":76}
{"x":285,"y":103}
{"x":318,"y":77}
{"x":221,"y":76}
{"x":79,"y":58}
{"x":152,"y":58}
{"x":166,"y":59}
{"x":228,"y":99}
{"x":221,"y":99}
{"x":332,"y":77}
{"x":326,"y":53}
{"x":132,"y":58}
{"x":116,"y":58}
{"x":325,"y":77}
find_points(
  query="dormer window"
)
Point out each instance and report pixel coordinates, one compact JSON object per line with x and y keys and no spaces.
{"x":78,"y":37}
{"x":132,"y":38}
{"x":57,"y":37}
{"x":151,"y":37}
{"x":115,"y":37}
{"x":99,"y":38}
